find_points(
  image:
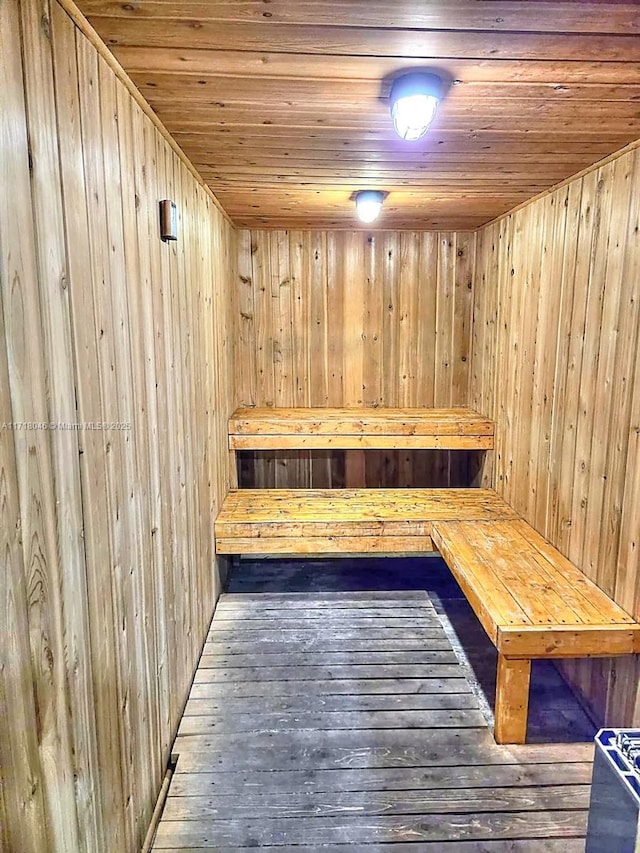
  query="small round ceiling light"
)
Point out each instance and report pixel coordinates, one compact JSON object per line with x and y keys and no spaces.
{"x":414,"y":101}
{"x":369,"y":205}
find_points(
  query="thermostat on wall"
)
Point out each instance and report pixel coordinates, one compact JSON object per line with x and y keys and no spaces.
{"x":168,"y":220}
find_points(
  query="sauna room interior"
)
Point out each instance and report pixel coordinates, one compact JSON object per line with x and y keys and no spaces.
{"x":319,"y":425}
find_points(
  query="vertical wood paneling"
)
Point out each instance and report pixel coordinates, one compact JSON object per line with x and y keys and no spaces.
{"x":22,"y":803}
{"x":354,"y":319}
{"x":110,"y":576}
{"x":39,"y":531}
{"x":556,"y":325}
{"x":48,"y":218}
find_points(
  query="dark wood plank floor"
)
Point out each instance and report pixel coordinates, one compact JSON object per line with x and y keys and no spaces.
{"x":354,"y":713}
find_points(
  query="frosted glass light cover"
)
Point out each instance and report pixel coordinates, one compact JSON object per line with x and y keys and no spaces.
{"x":368,"y":206}
{"x":413,"y":114}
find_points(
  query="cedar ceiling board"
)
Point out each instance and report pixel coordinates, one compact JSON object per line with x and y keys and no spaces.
{"x":230,"y":63}
{"x":324,"y":139}
{"x":279,"y":155}
{"x":283,"y":109}
{"x":264,"y":36}
{"x":360,"y":94}
{"x":582,"y":17}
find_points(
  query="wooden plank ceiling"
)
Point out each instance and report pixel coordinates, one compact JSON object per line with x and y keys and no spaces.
{"x":283,"y":104}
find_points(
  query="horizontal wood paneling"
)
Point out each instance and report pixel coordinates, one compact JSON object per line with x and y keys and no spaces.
{"x":556,"y":363}
{"x":585,"y":17}
{"x":111,"y":577}
{"x":263,"y":99}
{"x":236,"y":62}
{"x":214,"y":33}
{"x":354,"y":319}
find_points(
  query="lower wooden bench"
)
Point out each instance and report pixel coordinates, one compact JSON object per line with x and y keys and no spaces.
{"x":533,"y":603}
{"x":345,"y":521}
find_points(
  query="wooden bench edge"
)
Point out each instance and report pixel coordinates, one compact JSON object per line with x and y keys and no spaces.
{"x":567,"y":641}
{"x":346,"y":546}
{"x":382,"y":421}
{"x":355,"y":441}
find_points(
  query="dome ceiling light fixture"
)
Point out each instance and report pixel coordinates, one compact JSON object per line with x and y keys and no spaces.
{"x":369,"y":205}
{"x":414,"y":100}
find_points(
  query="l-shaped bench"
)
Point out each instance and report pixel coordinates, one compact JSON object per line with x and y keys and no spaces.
{"x":531,"y":601}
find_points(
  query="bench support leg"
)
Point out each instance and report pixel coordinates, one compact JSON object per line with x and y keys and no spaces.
{"x":512,"y":700}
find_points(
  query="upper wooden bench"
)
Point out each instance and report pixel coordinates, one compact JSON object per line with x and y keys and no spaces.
{"x":320,"y":429}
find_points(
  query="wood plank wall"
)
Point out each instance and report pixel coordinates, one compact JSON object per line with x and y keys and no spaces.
{"x":556,"y":363}
{"x":108,"y":573}
{"x":350,"y":318}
